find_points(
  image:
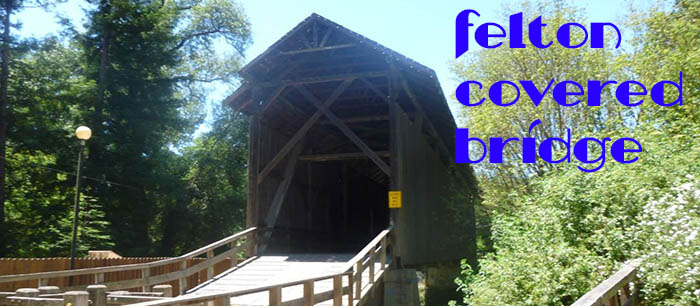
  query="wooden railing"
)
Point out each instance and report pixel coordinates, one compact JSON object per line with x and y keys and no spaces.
{"x":233,"y":242}
{"x":366,"y":259}
{"x":620,"y":289}
{"x":274,"y":292}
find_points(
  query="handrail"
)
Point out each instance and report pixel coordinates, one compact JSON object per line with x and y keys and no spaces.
{"x":233,"y":293}
{"x":615,"y":287}
{"x":101,"y":270}
{"x":365,"y":259}
{"x":383,"y":234}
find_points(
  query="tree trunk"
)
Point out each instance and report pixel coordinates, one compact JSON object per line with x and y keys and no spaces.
{"x":96,"y":118}
{"x":4,"y":116}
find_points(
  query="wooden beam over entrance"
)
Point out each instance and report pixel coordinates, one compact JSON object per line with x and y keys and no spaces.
{"x":302,"y":131}
{"x":339,"y":156}
{"x":345,"y":129}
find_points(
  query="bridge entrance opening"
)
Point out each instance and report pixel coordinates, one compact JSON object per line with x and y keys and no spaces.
{"x":335,"y":203}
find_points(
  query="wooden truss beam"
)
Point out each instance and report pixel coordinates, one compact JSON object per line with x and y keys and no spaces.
{"x":345,"y":129}
{"x":339,"y":156}
{"x":326,"y":78}
{"x":421,"y":116}
{"x":361,"y":119}
{"x":302,"y":131}
{"x":280,"y":194}
{"x":319,"y":49}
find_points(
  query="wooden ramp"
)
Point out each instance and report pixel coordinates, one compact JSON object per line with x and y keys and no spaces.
{"x":262,"y":271}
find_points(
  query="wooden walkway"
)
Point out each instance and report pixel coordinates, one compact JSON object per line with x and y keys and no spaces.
{"x":263,"y":270}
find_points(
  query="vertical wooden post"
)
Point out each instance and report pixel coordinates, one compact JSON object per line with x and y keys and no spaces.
{"x":49,"y":290}
{"x":382,"y":256}
{"x":371,"y":265}
{"x":210,"y":269}
{"x":253,"y":169}
{"x":612,"y":301}
{"x":275,"y":296}
{"x":346,"y":195}
{"x":183,"y":279}
{"x":43,"y":282}
{"x":395,"y":113}
{"x":99,"y":278}
{"x":76,"y":298}
{"x":167,"y":290}
{"x":338,"y":290}
{"x":350,"y":291}
{"x":222,"y":301}
{"x":145,"y":273}
{"x":97,"y":294}
{"x":625,"y":294}
{"x":27,"y":292}
{"x":234,"y":255}
{"x":308,"y":299}
{"x":358,"y":281}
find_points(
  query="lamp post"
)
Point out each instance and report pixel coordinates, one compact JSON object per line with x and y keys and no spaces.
{"x":83,"y":133}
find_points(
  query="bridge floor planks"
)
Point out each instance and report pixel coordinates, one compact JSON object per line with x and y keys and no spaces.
{"x":271,"y":269}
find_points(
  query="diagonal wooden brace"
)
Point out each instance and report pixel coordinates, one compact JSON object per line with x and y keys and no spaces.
{"x":302,"y":131}
{"x":345,"y":129}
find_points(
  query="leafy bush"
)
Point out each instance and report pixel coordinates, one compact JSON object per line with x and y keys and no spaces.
{"x":669,"y":246}
{"x":573,"y":230}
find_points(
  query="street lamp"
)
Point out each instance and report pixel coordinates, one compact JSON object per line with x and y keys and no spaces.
{"x":83,"y":133}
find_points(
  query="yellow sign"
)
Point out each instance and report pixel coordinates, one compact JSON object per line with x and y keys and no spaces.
{"x":394,"y":199}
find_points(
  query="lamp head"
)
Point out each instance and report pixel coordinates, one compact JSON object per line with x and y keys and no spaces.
{"x":83,"y":133}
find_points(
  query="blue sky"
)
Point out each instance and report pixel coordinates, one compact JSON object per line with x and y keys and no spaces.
{"x":422,"y":30}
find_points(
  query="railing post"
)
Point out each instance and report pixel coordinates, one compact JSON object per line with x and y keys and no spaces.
{"x":358,"y":280}
{"x":145,"y":273}
{"x":251,"y":242}
{"x":210,"y":269}
{"x":183,"y":279}
{"x":49,"y":290}
{"x":275,"y":296}
{"x":383,"y":253}
{"x":612,"y":301}
{"x":27,"y":292}
{"x":43,"y":282}
{"x":97,"y":294}
{"x":350,"y":291}
{"x":99,"y":278}
{"x":308,"y":299}
{"x":76,"y":298}
{"x":222,"y":301}
{"x":624,"y":293}
{"x":167,"y":290}
{"x":371,"y":265}
{"x":234,"y":256}
{"x":338,"y":290}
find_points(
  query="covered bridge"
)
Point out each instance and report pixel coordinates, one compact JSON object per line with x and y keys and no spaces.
{"x":336,"y":122}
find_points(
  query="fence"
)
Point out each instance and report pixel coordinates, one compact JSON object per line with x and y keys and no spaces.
{"x":183,"y":272}
{"x":13,"y":266}
{"x":620,"y":289}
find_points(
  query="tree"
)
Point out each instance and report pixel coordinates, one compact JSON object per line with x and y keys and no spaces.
{"x":150,"y":61}
{"x":541,"y":66}
{"x":571,"y":230}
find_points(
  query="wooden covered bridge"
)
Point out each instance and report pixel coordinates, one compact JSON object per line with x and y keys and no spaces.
{"x":341,"y":128}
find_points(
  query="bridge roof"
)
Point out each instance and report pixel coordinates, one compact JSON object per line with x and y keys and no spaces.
{"x":318,"y":49}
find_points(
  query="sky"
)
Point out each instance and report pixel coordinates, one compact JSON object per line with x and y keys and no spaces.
{"x":422,"y":30}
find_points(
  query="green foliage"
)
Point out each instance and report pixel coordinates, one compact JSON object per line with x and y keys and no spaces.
{"x":557,"y":231}
{"x":138,"y":76}
{"x":669,"y":245}
{"x":541,"y":66}
{"x":574,"y":229}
